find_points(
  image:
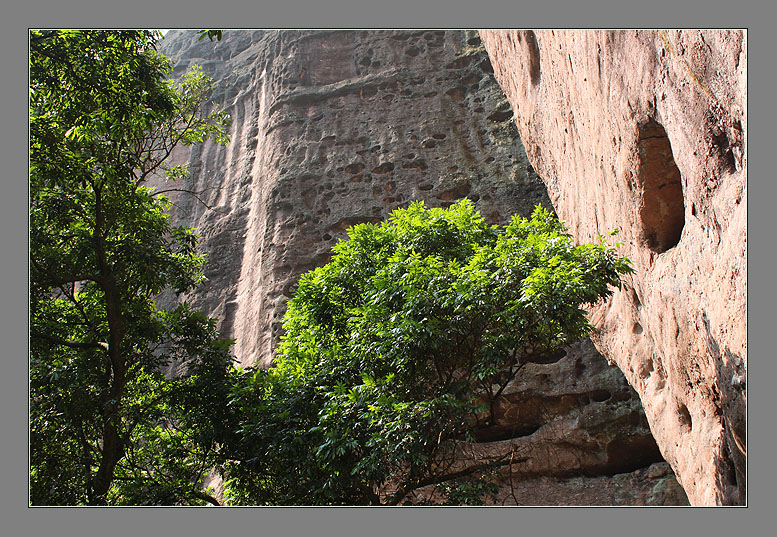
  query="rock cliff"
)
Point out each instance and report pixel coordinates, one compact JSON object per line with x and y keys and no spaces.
{"x":646,"y":131}
{"x":332,"y":128}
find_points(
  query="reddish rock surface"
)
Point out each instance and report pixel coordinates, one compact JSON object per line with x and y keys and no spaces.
{"x":578,"y":435}
{"x":655,"y":486}
{"x":335,"y":128}
{"x":646,"y":131}
{"x":329,"y":129}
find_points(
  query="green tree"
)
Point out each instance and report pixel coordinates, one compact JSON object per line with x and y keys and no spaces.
{"x":106,"y":425}
{"x":396,"y":352}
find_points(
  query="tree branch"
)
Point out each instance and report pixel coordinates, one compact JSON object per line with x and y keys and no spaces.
{"x":71,"y":344}
{"x":67,"y":278}
{"x":207,"y":497}
{"x":193,"y":193}
{"x":175,"y":139}
{"x":404,"y":490}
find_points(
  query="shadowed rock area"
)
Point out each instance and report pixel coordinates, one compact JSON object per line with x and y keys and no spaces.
{"x":333,"y":128}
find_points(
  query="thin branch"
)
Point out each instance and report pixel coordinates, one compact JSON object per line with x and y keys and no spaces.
{"x":404,"y":490}
{"x":193,"y":193}
{"x":511,"y":374}
{"x":67,"y":278}
{"x":174,"y":141}
{"x":72,"y":297}
{"x":207,"y":497}
{"x":71,"y":344}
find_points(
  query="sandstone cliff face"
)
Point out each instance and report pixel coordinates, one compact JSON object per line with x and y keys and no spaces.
{"x":646,"y":131}
{"x":335,"y":128}
{"x":332,"y":128}
{"x":583,"y":434}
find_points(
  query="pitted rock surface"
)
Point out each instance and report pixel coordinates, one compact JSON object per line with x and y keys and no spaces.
{"x":646,"y":131}
{"x":655,"y":486}
{"x":333,"y":128}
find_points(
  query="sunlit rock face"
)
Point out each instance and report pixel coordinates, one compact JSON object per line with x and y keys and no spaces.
{"x":646,"y":131}
{"x":329,"y":129}
{"x":333,"y":128}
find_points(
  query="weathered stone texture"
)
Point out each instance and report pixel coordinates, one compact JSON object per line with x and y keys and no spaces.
{"x":577,"y":423}
{"x":646,"y":131}
{"x":655,"y":485}
{"x":574,"y":433}
{"x":335,"y":128}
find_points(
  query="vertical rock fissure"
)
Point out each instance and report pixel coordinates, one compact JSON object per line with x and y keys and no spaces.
{"x":532,"y":51}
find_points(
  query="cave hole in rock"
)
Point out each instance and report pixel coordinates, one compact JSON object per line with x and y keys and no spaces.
{"x":626,"y":455}
{"x":684,"y":416}
{"x":622,"y":395}
{"x":486,"y":66}
{"x":457,"y":94}
{"x":600,"y":396}
{"x":386,"y":167}
{"x":354,"y":168}
{"x":662,"y":211}
{"x":722,"y":145}
{"x":500,"y":115}
{"x":459,"y":63}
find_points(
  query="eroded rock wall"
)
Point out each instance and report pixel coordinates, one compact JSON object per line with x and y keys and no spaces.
{"x":334,"y":128}
{"x":579,"y":436}
{"x":646,"y":131}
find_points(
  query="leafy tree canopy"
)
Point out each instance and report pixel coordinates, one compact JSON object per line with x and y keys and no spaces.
{"x":396,"y":351}
{"x":106,"y":425}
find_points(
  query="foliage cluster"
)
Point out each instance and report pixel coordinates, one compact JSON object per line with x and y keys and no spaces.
{"x":396,"y":351}
{"x":394,"y":355}
{"x":103,"y":120}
